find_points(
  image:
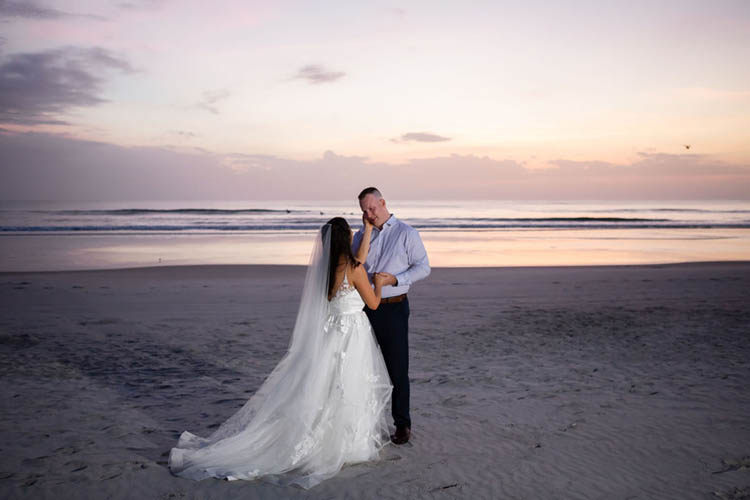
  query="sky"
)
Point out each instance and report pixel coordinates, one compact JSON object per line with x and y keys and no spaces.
{"x":577,"y":99}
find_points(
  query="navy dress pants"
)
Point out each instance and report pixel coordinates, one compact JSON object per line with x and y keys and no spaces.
{"x":391,"y":325}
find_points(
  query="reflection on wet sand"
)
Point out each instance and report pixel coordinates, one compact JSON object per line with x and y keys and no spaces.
{"x":491,"y":248}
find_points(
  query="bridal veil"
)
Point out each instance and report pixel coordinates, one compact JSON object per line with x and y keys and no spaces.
{"x":322,"y":406}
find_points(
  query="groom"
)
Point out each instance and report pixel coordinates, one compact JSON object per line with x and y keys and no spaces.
{"x":397,"y":252}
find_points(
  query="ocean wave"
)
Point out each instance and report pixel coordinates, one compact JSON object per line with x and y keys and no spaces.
{"x":151,"y":211}
{"x":312,"y":226}
{"x":672,"y":210}
{"x":568,"y":219}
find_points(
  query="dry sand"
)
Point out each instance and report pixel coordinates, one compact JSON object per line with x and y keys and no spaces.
{"x":626,"y":382}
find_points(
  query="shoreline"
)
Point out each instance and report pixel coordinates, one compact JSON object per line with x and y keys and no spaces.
{"x":465,"y":249}
{"x":251,"y":267}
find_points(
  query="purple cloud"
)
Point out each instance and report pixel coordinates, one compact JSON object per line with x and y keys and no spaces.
{"x":143,"y":4}
{"x":210,"y":98}
{"x":316,"y":74}
{"x":47,"y":166}
{"x":29,"y":10}
{"x":420,"y":137}
{"x":185,"y":133}
{"x":37,"y":87}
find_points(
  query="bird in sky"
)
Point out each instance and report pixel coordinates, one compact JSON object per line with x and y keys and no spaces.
{"x":687,"y":146}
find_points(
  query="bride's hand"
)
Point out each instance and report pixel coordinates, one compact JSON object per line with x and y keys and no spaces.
{"x":366,"y":222}
{"x":386,"y":279}
{"x":379,"y":280}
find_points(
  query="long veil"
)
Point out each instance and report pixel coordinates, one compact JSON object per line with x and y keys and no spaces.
{"x":288,"y":387}
{"x":323,"y":405}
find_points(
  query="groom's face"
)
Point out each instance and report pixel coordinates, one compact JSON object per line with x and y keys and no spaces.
{"x":374,"y":209}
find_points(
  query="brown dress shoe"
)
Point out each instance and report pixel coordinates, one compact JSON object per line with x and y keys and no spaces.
{"x":401,"y":436}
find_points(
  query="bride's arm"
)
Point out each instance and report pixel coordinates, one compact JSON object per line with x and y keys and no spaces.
{"x":362,"y":284}
{"x":364,"y":243}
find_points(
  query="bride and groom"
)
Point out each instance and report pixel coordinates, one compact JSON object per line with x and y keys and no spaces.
{"x":324,"y":404}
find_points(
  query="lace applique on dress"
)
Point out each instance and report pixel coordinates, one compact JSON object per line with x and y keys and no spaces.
{"x":344,"y":288}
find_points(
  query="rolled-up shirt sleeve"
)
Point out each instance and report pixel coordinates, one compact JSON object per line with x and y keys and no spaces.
{"x":419,"y":264}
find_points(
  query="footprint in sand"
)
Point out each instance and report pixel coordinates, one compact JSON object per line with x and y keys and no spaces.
{"x":67,"y":450}
{"x":100,"y":321}
{"x":733,"y":494}
{"x":455,"y":401}
{"x":31,"y":479}
{"x":445,"y":487}
{"x":732,"y":464}
{"x":174,"y":494}
{"x":35,"y":460}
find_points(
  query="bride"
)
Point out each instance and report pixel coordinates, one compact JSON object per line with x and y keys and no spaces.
{"x":323,"y":405}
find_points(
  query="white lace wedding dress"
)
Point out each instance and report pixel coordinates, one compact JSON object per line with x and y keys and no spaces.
{"x":316,"y":411}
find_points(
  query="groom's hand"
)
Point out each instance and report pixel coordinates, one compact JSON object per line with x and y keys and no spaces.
{"x":388,"y":279}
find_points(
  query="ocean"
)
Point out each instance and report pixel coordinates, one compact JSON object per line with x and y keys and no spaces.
{"x":96,"y":235}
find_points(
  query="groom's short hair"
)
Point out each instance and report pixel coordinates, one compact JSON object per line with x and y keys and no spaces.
{"x":369,"y":190}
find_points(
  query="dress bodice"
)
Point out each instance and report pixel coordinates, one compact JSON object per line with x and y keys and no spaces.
{"x":346,"y":300}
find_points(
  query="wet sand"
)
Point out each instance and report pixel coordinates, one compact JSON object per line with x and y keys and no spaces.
{"x":527,"y":382}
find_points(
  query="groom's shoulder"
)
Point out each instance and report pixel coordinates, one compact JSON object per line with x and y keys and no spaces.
{"x":405,"y":227}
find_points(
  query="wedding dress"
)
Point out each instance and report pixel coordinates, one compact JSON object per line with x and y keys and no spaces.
{"x":322,"y":407}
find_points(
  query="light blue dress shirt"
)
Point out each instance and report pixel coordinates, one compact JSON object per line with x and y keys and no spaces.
{"x":395,"y":249}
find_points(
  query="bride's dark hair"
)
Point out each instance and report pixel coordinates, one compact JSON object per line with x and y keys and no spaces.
{"x":341,"y":244}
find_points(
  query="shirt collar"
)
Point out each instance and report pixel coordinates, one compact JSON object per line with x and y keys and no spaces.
{"x":390,"y":222}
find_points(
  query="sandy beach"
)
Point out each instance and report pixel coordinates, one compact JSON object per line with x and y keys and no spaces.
{"x":611,"y":382}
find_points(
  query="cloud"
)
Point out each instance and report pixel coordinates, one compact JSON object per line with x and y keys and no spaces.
{"x":54,"y":167}
{"x":650,"y":176}
{"x":185,"y":133}
{"x":143,"y":4}
{"x":210,"y":98}
{"x":240,"y":162}
{"x":420,"y":137}
{"x":648,"y":165}
{"x":332,"y":158}
{"x":29,"y":10}
{"x":36,"y":87}
{"x":316,"y":74}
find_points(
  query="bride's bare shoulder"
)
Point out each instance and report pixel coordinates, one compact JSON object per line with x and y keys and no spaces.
{"x":342,"y":271}
{"x":357,"y":274}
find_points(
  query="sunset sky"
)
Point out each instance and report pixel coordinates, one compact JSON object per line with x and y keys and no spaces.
{"x":536,"y":99}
